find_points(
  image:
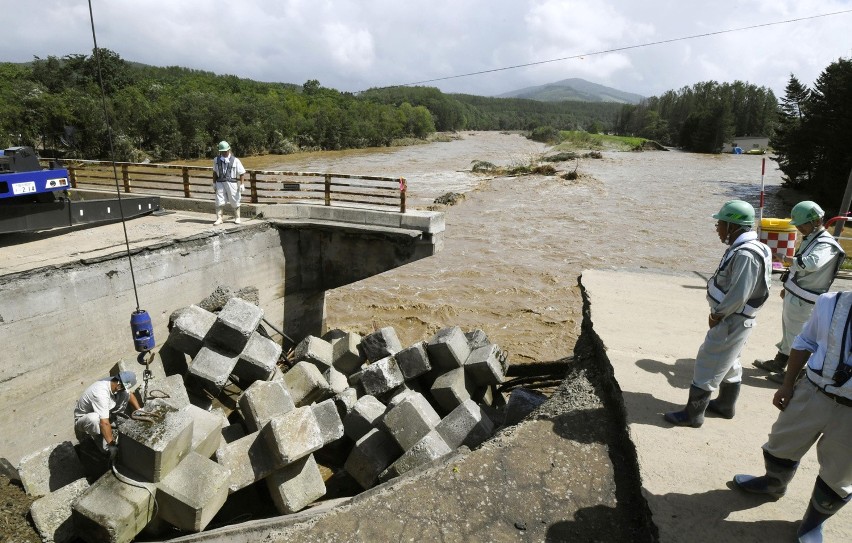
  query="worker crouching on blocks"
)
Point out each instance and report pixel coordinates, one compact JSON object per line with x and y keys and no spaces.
{"x":815,"y":409}
{"x":737,"y":290}
{"x":102,"y":400}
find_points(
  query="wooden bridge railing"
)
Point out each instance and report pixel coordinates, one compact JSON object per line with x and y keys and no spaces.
{"x":262,"y":186}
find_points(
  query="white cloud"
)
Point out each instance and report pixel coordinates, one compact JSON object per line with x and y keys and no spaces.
{"x":356,"y":44}
{"x":350,"y":48}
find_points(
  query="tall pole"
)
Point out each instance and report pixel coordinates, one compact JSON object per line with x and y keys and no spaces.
{"x":762,"y":174}
{"x":844,"y":207}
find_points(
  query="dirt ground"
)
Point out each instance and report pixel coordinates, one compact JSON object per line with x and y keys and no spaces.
{"x":14,"y":508}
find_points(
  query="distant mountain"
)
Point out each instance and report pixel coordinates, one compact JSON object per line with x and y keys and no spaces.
{"x":575,"y":89}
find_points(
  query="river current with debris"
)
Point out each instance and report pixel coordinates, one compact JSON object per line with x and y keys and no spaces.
{"x":515,"y":247}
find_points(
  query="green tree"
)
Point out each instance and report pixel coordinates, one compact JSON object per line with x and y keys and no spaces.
{"x":790,"y":141}
{"x":828,"y":122}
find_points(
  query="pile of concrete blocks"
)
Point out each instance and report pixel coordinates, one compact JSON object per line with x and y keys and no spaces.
{"x":226,"y":416}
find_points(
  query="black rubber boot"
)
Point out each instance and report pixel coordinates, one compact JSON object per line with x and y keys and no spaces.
{"x":776,"y":365}
{"x":693,"y":413}
{"x":779,"y":473}
{"x":824,"y":503}
{"x":725,"y":403}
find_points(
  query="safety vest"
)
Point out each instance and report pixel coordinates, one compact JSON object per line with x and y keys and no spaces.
{"x":224,"y":169}
{"x":791,"y":283}
{"x":837,"y":355}
{"x":717,"y":293}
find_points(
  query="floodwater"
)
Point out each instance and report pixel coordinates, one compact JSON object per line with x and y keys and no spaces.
{"x":516,"y":246}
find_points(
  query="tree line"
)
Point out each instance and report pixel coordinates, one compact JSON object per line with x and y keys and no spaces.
{"x":169,"y":113}
{"x":56,"y":105}
{"x":811,"y":140}
{"x":703,"y":117}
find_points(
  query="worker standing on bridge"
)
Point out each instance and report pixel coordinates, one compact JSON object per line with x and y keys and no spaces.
{"x":228,"y":174}
{"x":736,"y":291}
{"x":815,"y":409}
{"x":102,"y":399}
{"x":809,"y":273}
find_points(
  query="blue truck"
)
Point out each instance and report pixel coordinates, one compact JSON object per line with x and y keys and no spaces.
{"x":33,"y":198}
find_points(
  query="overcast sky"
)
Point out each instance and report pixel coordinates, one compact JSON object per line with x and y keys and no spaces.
{"x":353,"y":45}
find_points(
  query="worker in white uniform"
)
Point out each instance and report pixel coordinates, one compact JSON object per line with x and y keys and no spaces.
{"x":816,"y":409}
{"x":94,"y":408}
{"x":737,"y":290}
{"x":809,"y":273}
{"x":228,"y":174}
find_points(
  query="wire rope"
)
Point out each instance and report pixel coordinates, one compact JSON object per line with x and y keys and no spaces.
{"x":617,"y":49}
{"x":112,"y":152}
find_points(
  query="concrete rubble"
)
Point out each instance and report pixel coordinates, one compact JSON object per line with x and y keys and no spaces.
{"x":344,"y":413}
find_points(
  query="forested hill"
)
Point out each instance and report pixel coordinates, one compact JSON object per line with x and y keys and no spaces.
{"x":574,"y":89}
{"x":55,"y":105}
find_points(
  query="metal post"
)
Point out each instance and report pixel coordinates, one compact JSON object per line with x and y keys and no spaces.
{"x":328,"y":189}
{"x":186,"y":188}
{"x":125,"y":176}
{"x":844,"y":207}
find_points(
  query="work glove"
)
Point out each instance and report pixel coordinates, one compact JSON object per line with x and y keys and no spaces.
{"x":112,"y":450}
{"x":242,"y":187}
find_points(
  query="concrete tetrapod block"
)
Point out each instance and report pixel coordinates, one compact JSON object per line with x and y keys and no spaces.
{"x":315,"y":350}
{"x":371,"y":455}
{"x":248,"y":459}
{"x":430,"y":447}
{"x":113,"y":511}
{"x":466,"y":425}
{"x":345,"y":401}
{"x":257,"y":361}
{"x":363,"y":417}
{"x":413,"y":361}
{"x":233,"y":432}
{"x":410,"y":420}
{"x":328,"y":419}
{"x":50,"y":469}
{"x":169,"y":391}
{"x":337,"y":381}
{"x":51,"y":513}
{"x":306,"y":384}
{"x":345,"y":354}
{"x":381,"y":376}
{"x":293,"y":435}
{"x":210,"y":370}
{"x":264,"y":400}
{"x":476,"y":339}
{"x":190,"y":328}
{"x":451,"y":389}
{"x":380,"y":344}
{"x":206,"y":430}
{"x":448,"y":349}
{"x":296,"y":486}
{"x":153,"y":449}
{"x":483,"y":365}
{"x":234,"y":325}
{"x":191,"y":495}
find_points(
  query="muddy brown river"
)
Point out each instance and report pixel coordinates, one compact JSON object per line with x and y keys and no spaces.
{"x":515,"y":247}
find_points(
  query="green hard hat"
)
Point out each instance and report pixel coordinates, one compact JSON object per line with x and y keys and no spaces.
{"x":805,"y":212}
{"x":736,"y":212}
{"x":224,"y":146}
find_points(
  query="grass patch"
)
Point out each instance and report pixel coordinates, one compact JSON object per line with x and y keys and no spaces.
{"x":574,"y":139}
